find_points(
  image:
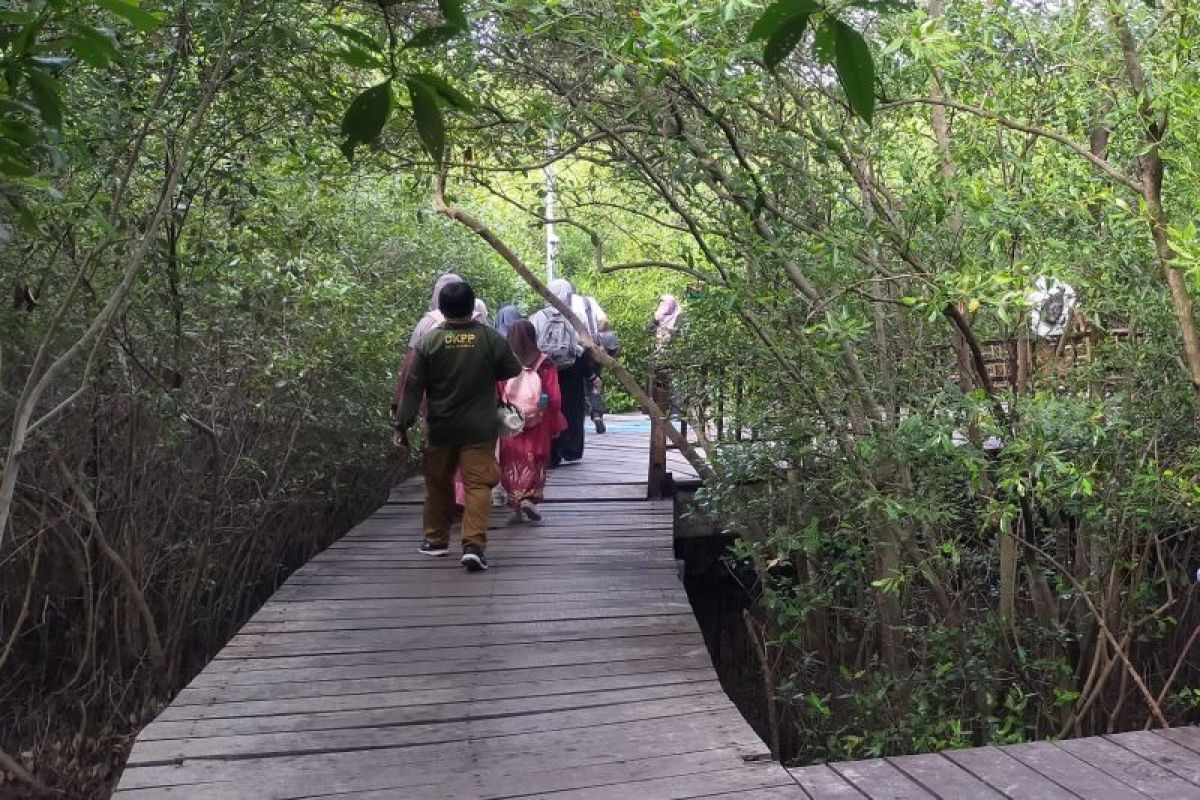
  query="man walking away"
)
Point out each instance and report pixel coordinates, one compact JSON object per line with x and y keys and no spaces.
{"x":431,"y":319}
{"x":456,"y":367}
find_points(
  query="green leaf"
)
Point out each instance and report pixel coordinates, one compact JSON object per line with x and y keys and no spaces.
{"x":357,"y":38}
{"x":430,"y":125}
{"x":823,"y":42}
{"x":95,"y":47}
{"x":855,"y":68}
{"x":784,"y":40}
{"x":452,"y":12}
{"x":26,"y":38}
{"x":778,"y":13}
{"x":128,"y":10}
{"x":445,"y":91}
{"x":357,"y":57}
{"x":46,"y":96}
{"x":430,"y":37}
{"x":366,"y":115}
{"x":17,"y":130}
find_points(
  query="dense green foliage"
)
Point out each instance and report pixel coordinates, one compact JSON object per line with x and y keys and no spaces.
{"x":218,"y":228}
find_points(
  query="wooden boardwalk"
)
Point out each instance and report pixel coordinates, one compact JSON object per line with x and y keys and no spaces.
{"x":572,"y":670}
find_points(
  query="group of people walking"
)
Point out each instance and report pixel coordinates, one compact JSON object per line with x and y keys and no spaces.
{"x":458,"y":369}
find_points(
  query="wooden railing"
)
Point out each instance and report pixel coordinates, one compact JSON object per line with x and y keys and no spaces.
{"x":721,"y":418}
{"x":659,"y":482}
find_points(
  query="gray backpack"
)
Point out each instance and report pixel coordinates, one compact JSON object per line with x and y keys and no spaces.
{"x":557,"y":339}
{"x":607,"y":340}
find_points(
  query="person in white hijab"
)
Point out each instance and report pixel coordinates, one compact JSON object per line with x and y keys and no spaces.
{"x":594,"y":318}
{"x":666,"y":319}
{"x":481,"y":312}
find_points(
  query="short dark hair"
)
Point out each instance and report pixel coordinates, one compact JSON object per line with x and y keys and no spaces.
{"x":457,"y":301}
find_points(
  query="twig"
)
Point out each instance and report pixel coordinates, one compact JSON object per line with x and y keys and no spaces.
{"x":154,"y":642}
{"x":764,"y":666}
{"x":24,"y":613}
{"x":1187,"y":648}
{"x":1151,"y":703}
{"x":10,"y":764}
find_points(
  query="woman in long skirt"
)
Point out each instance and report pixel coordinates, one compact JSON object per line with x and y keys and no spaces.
{"x":525,"y":458}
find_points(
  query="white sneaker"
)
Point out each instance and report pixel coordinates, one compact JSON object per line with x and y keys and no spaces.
{"x":499,"y":497}
{"x":531,"y":511}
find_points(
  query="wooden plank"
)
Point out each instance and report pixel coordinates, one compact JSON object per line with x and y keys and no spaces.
{"x":443,"y":570}
{"x":1069,"y":772}
{"x":499,"y":632}
{"x":819,"y":782}
{"x":295,"y":689}
{"x":772,"y":793}
{"x":1184,"y":737}
{"x":745,"y":781}
{"x":424,"y":715}
{"x":505,"y":783}
{"x":1126,"y":766}
{"x":391,"y":767}
{"x":600,"y":491}
{"x":1007,"y":775}
{"x":262,"y":645}
{"x":211,"y":742}
{"x":579,"y":505}
{"x":879,"y":780}
{"x":421,"y":696}
{"x":300,"y":609}
{"x":459,"y":618}
{"x":1161,"y":748}
{"x":943,"y":778}
{"x":660,"y":579}
{"x":336,"y":666}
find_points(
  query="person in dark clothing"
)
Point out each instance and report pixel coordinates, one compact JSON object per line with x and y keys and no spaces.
{"x":572,"y":383}
{"x":568,"y":446}
{"x":589,"y":310}
{"x":455,"y":368}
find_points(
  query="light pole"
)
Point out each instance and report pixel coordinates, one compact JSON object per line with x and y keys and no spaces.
{"x":551,"y":236}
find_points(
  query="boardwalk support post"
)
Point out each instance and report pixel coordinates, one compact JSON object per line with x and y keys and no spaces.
{"x":658,"y":480}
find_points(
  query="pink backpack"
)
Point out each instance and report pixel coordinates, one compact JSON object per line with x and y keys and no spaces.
{"x":525,"y":392}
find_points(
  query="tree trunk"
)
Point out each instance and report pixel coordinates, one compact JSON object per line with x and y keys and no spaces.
{"x":1152,"y":169}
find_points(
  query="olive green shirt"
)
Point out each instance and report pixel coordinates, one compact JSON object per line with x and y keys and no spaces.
{"x":455,"y":368}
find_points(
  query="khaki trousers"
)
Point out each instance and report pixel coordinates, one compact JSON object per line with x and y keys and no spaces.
{"x":480,"y":473}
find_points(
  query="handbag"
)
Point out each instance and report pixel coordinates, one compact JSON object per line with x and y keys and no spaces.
{"x":511,"y":420}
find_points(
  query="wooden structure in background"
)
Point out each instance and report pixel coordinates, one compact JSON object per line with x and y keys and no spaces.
{"x":1050,"y":358}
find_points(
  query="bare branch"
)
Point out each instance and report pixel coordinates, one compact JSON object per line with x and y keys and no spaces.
{"x":1115,"y":175}
{"x":671,"y":265}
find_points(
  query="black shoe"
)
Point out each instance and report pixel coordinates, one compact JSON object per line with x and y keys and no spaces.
{"x":600,"y":426}
{"x":473,"y":559}
{"x":531,"y":511}
{"x":428,"y":548}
